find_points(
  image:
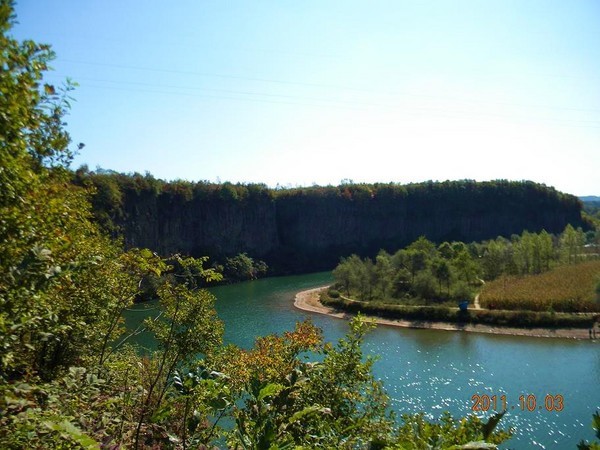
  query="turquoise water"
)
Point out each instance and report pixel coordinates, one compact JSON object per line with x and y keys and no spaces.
{"x":434,"y":371}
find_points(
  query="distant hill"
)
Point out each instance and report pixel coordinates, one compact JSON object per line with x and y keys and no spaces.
{"x":590,"y":199}
{"x":591,"y":204}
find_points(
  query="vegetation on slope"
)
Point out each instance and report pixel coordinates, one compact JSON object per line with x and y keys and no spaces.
{"x":591,"y":211}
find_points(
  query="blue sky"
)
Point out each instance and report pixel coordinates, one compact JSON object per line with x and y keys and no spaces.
{"x":297,"y":93}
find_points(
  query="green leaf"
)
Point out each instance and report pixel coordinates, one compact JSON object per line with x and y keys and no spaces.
{"x":270,"y":390}
{"x":218,"y":403}
{"x":68,"y":430}
{"x":596,"y":423}
{"x":161,"y":414}
{"x":310,"y":410}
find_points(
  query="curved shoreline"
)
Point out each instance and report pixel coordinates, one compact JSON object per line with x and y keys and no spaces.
{"x":309,"y":301}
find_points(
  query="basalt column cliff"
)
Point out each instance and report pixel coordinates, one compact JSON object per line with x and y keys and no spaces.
{"x":304,"y":229}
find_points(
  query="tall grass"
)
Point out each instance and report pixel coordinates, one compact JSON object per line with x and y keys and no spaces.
{"x":566,"y":288}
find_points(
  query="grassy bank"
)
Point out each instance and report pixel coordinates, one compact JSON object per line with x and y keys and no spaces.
{"x":523,"y":319}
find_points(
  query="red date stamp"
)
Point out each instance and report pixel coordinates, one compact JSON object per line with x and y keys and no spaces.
{"x":527,"y":402}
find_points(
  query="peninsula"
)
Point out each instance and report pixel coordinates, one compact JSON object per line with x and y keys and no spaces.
{"x":309,"y":301}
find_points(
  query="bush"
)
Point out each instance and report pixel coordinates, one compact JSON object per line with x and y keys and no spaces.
{"x":333,"y":293}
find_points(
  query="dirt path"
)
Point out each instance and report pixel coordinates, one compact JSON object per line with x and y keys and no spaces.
{"x":309,"y":301}
{"x":476,"y":304}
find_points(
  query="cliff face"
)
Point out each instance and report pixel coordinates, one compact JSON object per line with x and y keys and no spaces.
{"x":327,"y":228}
{"x":171,"y":224}
{"x":310,"y":229}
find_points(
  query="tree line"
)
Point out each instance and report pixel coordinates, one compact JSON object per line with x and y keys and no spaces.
{"x":109,"y":189}
{"x":424,"y":272}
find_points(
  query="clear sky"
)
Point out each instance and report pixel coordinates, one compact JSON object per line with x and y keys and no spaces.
{"x":303,"y":92}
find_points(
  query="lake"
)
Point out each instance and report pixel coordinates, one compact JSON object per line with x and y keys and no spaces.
{"x":435,"y":370}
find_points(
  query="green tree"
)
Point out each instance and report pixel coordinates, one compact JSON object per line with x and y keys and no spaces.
{"x":417,"y":262}
{"x":465,"y":266}
{"x":494,"y":261}
{"x":424,"y":286}
{"x":445,"y":250}
{"x":356,"y":401}
{"x":442,"y":271}
{"x":64,"y":285}
{"x":384,"y":274}
{"x":242,"y":267}
{"x":107,"y":198}
{"x":335,"y":403}
{"x":369,"y":280}
{"x":342,"y":274}
{"x":49,"y":247}
{"x":547,"y":252}
{"x":523,"y":250}
{"x":571,"y":244}
{"x":189,"y":326}
{"x":360,"y":276}
{"x":422,"y":244}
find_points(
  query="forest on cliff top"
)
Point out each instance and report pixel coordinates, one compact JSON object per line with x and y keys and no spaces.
{"x":309,"y":228}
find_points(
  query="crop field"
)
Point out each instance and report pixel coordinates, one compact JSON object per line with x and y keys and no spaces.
{"x":570,"y":288}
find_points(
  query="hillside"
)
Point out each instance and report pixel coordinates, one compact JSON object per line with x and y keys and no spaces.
{"x":591,"y":205}
{"x":306,"y":229}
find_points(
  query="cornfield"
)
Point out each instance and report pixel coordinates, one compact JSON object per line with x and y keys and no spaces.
{"x":567,"y":288}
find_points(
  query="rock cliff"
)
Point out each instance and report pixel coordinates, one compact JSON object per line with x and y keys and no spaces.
{"x":306,"y":229}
